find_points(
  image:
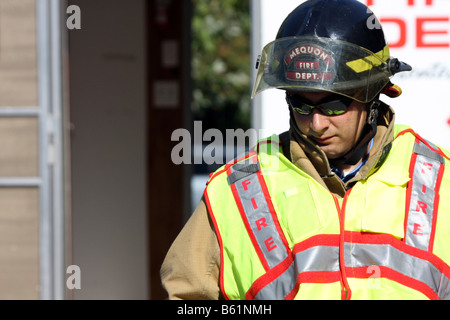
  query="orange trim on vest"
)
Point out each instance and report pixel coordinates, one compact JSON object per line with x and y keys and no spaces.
{"x":438,"y":150}
{"x":219,"y":239}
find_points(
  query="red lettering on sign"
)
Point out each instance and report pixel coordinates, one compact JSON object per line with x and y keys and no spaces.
{"x":427,"y":2}
{"x":427,"y":166}
{"x":270,"y":244}
{"x":430,"y":31}
{"x":402,"y":31}
{"x":246,"y":183}
{"x":261,"y":223}
{"x":421,"y":205}
{"x":417,"y":229}
{"x":421,"y":33}
{"x":410,"y":2}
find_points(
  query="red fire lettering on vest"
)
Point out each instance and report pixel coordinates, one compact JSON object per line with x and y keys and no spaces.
{"x":246,"y":183}
{"x":421,"y":205}
{"x":417,"y":229}
{"x":261,"y":223}
{"x":255,"y":206}
{"x":270,"y":244}
{"x":424,"y":189}
{"x":427,"y":166}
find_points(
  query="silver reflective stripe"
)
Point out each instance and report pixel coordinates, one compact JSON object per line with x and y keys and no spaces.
{"x":423,"y":149}
{"x":242,"y":170}
{"x":259,"y":218}
{"x":421,"y":213}
{"x":444,"y":288}
{"x":321,"y":258}
{"x":366,"y":255}
{"x":326,"y":259}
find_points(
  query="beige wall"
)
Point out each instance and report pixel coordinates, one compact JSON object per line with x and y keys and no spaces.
{"x":18,"y":70}
{"x":108,"y":145}
{"x":109,"y":151}
{"x":19,"y":206}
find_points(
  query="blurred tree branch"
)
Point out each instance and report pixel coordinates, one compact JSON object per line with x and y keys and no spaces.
{"x":221,"y":63}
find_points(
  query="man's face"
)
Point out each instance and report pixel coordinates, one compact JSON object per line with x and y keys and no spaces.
{"x":335,"y":134}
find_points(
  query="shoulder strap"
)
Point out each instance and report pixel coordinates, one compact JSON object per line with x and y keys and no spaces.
{"x":257,"y":211}
{"x":426,"y":172}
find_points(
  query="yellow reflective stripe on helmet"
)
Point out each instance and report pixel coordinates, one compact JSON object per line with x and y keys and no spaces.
{"x":371,"y":61}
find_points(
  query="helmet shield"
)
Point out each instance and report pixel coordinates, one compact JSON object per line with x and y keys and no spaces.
{"x":322,"y":64}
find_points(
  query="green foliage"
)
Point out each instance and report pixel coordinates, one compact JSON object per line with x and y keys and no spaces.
{"x":221,"y":63}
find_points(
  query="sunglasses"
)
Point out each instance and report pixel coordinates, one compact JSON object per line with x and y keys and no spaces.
{"x":333,"y":105}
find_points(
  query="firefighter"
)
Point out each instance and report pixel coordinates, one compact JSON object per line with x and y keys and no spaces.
{"x":346,"y":204}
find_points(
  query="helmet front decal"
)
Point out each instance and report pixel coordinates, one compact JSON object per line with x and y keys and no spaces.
{"x":309,"y":63}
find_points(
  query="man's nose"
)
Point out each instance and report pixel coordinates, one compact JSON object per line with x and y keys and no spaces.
{"x":319,"y":121}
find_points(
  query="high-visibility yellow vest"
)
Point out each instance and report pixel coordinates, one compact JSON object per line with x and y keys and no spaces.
{"x":284,"y":236}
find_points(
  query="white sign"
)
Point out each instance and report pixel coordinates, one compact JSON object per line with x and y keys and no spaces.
{"x":418,"y":32}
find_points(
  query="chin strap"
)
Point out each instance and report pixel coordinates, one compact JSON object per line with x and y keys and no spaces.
{"x":370,"y":130}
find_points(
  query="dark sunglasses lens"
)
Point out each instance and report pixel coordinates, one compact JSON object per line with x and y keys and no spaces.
{"x":300,"y":106}
{"x":336,"y":107}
